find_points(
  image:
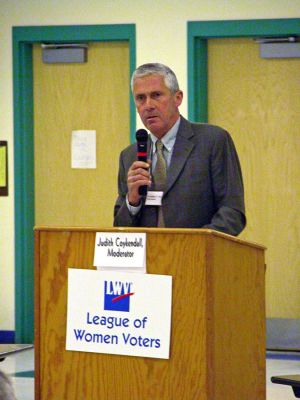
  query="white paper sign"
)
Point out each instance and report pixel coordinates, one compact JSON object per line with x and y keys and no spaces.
{"x":120,"y":250}
{"x":119,"y":313}
{"x":83,"y":149}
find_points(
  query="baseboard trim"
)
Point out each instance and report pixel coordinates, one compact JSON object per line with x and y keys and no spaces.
{"x":7,"y":336}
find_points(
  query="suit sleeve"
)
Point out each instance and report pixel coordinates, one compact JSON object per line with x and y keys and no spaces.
{"x":122,"y":216}
{"x":228,"y":188}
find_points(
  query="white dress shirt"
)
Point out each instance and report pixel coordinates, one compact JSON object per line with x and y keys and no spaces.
{"x":168,"y":141}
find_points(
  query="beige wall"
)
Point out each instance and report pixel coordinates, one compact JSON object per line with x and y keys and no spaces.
{"x":161,"y":34}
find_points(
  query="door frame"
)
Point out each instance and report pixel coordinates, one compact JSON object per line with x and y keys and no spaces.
{"x":23,"y":106}
{"x":200,"y":32}
{"x":280,"y":331}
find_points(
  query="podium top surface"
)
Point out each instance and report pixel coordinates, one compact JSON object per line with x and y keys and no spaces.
{"x":200,"y":232}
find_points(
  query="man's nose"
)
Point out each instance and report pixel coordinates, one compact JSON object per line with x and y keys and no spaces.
{"x":149,"y":102}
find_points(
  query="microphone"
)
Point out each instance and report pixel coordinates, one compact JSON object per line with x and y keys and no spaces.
{"x":142,"y":140}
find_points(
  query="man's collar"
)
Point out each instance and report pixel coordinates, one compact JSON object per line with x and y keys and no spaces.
{"x":169,"y":138}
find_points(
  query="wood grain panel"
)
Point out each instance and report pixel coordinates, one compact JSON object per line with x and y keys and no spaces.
{"x":67,"y":97}
{"x":209,"y":326}
{"x":237,"y":335}
{"x":258,"y":102}
{"x":63,"y":373}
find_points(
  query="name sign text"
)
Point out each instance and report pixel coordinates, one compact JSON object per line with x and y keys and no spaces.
{"x":119,"y":313}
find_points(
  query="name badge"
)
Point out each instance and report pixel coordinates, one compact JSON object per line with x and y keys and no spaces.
{"x":154,"y":198}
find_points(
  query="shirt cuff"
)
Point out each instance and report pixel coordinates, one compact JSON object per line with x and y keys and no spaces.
{"x":133,"y":209}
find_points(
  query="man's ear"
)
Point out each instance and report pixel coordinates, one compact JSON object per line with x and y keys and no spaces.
{"x":178,"y":97}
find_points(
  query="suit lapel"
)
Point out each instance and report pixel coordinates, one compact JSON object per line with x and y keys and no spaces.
{"x":182,"y":149}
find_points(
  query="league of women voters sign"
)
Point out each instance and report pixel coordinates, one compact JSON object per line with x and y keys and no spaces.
{"x":119,"y":313}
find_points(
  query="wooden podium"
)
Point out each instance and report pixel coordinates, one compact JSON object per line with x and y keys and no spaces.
{"x":218,"y":320}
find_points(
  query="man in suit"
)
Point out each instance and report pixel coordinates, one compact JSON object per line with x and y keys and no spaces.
{"x":203,"y":186}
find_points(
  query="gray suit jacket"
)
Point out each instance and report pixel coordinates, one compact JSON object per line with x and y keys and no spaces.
{"x":204,"y":183}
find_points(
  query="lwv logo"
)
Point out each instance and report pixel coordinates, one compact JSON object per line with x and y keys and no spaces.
{"x":117,"y":295}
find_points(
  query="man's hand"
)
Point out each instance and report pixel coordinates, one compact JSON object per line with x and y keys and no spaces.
{"x":138,"y":175}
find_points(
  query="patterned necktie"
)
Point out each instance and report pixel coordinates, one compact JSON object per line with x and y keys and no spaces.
{"x":160,"y":177}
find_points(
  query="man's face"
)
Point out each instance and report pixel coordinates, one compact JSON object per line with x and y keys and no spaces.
{"x":156,"y":105}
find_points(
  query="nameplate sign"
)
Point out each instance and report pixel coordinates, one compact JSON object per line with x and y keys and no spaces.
{"x":121,"y":250}
{"x":119,"y":313}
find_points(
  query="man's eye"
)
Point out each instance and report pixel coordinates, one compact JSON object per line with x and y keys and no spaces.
{"x":156,"y":94}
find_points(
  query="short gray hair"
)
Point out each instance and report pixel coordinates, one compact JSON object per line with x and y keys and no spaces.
{"x":157,"y":69}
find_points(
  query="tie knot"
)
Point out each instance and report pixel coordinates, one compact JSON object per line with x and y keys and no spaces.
{"x":159,"y":145}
